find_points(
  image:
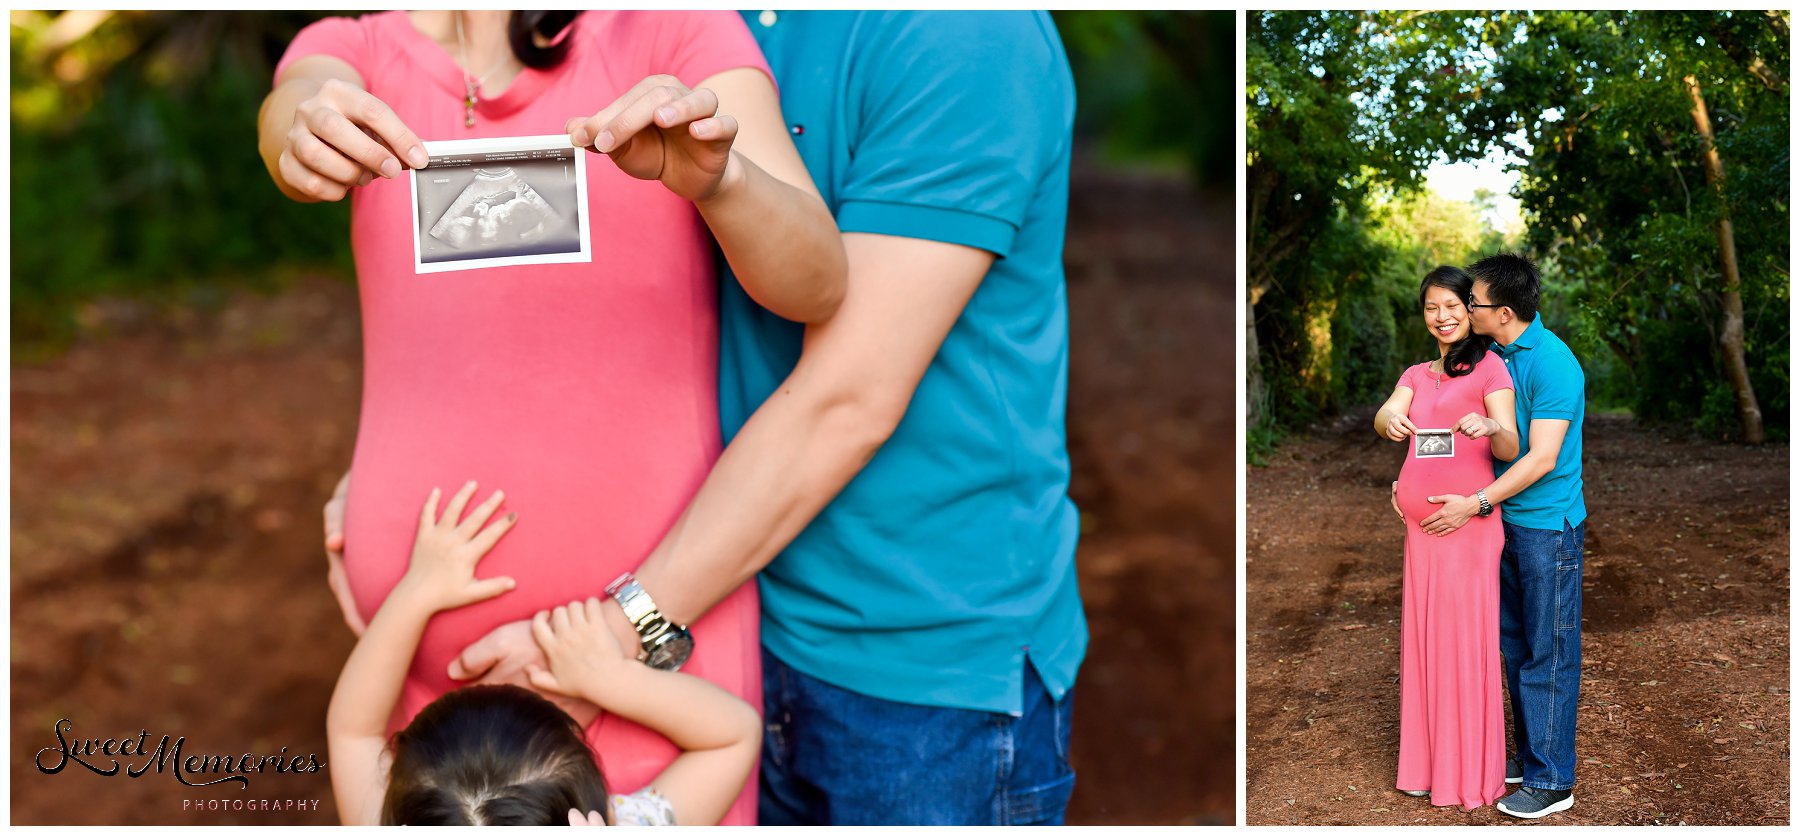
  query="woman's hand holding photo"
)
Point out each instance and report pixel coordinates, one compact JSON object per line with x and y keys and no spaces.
{"x":1476,"y":425}
{"x":1399,"y":427}
{"x":337,"y":136}
{"x":661,"y":130}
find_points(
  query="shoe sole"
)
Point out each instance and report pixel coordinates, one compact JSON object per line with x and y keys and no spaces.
{"x":1553,"y":808}
{"x":1416,"y":793}
{"x":1518,"y":780}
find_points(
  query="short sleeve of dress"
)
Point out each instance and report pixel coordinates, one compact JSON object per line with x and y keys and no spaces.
{"x":338,"y":37}
{"x":966,"y":114}
{"x":1406,"y":379}
{"x":1498,"y":377}
{"x":694,"y":46}
{"x":646,"y":807}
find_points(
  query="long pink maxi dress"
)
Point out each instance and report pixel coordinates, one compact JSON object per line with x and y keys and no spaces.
{"x":1452,"y":734}
{"x":587,"y":392}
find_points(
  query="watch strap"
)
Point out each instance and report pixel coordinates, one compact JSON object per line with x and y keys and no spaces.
{"x":640,"y":609}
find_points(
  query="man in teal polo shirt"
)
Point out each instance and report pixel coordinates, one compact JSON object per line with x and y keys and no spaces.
{"x":922,"y":633}
{"x":1544,"y":516}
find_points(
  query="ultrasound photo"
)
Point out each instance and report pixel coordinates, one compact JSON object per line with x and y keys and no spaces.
{"x":1431,"y":444}
{"x":500,"y":202}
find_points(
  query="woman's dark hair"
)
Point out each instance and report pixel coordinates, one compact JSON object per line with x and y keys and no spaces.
{"x":553,"y":27}
{"x":492,"y":755}
{"x":1466,"y":352}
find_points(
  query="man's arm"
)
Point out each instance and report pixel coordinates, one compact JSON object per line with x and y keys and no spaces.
{"x":1546,"y":443}
{"x":856,"y":375}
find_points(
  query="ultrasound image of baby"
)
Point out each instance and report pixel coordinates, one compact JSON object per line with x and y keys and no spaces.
{"x":497,"y":209}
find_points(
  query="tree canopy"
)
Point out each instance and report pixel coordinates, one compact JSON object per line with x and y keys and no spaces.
{"x":1346,"y":110}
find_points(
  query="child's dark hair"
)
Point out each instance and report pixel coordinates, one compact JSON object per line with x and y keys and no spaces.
{"x":1512,"y":281}
{"x":1466,"y":352}
{"x":492,"y":755}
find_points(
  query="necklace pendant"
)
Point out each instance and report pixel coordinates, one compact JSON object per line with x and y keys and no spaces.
{"x":469,"y":110}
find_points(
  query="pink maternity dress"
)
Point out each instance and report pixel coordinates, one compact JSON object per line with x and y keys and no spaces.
{"x":1452,"y":735}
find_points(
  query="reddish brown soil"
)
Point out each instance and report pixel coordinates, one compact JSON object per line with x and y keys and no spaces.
{"x":167,"y":474}
{"x":1684,"y":694}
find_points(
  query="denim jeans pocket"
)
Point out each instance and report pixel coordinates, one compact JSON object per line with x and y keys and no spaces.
{"x":1568,"y":593}
{"x":1569,"y":546}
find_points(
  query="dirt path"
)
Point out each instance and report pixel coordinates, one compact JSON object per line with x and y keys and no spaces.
{"x":1684,"y":698}
{"x":166,"y":575}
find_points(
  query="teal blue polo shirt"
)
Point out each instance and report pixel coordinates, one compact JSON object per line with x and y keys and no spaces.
{"x":1547,"y":383}
{"x":948,"y":562}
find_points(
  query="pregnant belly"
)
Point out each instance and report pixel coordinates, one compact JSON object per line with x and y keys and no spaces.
{"x":1421,"y":479}
{"x":587,"y":510}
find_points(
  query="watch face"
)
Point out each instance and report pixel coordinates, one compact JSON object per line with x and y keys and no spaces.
{"x":672,"y":651}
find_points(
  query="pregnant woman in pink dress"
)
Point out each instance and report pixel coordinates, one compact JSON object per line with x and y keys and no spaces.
{"x":1455,"y":414}
{"x":586,"y":392}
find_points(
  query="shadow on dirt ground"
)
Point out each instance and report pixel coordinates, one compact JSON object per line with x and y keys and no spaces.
{"x":1684,"y":695}
{"x":167,"y":475}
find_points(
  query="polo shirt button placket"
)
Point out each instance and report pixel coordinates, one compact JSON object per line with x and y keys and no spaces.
{"x":767,"y":18}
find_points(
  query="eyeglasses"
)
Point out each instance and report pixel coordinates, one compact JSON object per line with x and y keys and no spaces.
{"x":1471,"y":303}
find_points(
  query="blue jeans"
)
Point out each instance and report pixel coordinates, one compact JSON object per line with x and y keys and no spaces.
{"x":1540,"y":635}
{"x":832,"y":756}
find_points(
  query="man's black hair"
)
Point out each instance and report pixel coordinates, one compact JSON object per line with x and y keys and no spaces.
{"x":1512,"y":280}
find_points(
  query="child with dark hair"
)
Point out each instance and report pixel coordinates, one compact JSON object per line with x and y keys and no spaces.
{"x":502,"y":754}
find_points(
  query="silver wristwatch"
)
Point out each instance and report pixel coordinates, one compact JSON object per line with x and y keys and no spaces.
{"x":1481,"y":496}
{"x":666,"y":645}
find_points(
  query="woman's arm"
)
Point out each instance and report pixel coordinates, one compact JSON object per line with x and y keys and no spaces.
{"x":321,"y":133}
{"x":718,"y":733}
{"x":775,"y":229}
{"x":441,"y":576}
{"x":1504,"y":441}
{"x":1391,"y":422}
{"x":1502,"y":431}
{"x":725,"y":147}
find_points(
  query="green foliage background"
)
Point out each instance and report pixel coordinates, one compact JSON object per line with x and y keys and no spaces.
{"x":135,"y":168}
{"x":1345,"y":111}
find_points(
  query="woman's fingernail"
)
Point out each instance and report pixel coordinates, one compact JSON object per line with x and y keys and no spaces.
{"x":390,"y":168}
{"x":579,"y":137}
{"x":666,"y":114}
{"x":604,"y":141}
{"x":418,"y":157}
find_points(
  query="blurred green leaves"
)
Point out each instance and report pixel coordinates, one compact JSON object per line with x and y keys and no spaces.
{"x":135,"y":167}
{"x":1345,"y":110}
{"x":1152,"y":87}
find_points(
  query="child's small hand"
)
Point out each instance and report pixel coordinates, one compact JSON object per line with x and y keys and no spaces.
{"x":442,"y":571}
{"x":579,"y":647}
{"x":592,"y":819}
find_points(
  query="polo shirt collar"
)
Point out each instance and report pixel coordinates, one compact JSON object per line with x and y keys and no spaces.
{"x":1528,"y":339}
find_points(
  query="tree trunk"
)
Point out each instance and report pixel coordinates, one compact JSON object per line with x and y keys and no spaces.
{"x":1732,"y":340}
{"x":1254,"y":390}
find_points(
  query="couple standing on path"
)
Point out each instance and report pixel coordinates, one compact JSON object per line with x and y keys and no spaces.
{"x":1496,"y":523}
{"x":893,"y":461}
